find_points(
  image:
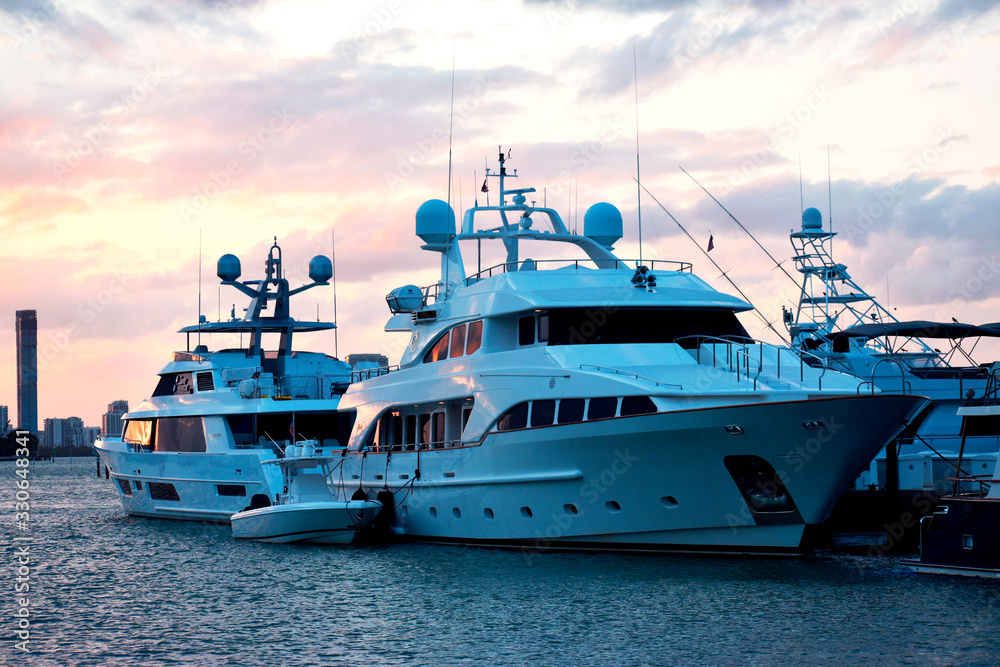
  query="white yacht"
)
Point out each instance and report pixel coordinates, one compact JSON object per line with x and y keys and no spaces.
{"x":840,"y":325}
{"x":193,"y":450}
{"x":566,"y":398}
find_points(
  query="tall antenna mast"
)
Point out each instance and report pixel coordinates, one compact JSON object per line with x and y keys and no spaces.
{"x":829,"y":191}
{"x":451,"y":118}
{"x":199,"y":284}
{"x":802,"y":205}
{"x":333,"y":257}
{"x":638,"y":182}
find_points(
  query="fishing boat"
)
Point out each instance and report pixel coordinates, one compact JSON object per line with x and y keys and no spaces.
{"x":564,"y":398}
{"x":194,"y":448}
{"x":309,"y":511}
{"x":962,"y":536}
{"x":839,"y":325}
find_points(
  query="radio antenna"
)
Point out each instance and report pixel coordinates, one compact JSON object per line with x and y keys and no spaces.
{"x":333,"y":257}
{"x":638,"y":183}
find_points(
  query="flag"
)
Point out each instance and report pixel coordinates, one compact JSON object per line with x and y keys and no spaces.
{"x":484,"y":188}
{"x":711,"y":243}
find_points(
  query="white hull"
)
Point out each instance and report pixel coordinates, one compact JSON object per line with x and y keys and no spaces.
{"x":651,"y":482}
{"x":327,"y":522}
{"x":208,"y":486}
{"x":922,"y":568}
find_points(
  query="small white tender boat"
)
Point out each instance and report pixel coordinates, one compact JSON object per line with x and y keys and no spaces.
{"x":308,"y":511}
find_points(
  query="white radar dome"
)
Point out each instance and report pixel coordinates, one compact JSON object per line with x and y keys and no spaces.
{"x":603,"y":223}
{"x":435,"y":222}
{"x":812,"y":220}
{"x":229,"y":267}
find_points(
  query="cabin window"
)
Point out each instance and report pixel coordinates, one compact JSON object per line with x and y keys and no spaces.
{"x":439,"y":351}
{"x":571,"y":410}
{"x":475,"y":337}
{"x":161,"y":491}
{"x":458,"y":341}
{"x":543,"y":328}
{"x":637,"y":405}
{"x":242,"y":429}
{"x":411,"y":429}
{"x":580,"y":326}
{"x":425,"y":429}
{"x":466,"y":413}
{"x":125,"y":487}
{"x":139,"y":432}
{"x":516,"y":418}
{"x":173,"y":384}
{"x":180,"y":434}
{"x":542,"y":412}
{"x":438,"y":430}
{"x":602,"y":408}
{"x":526,"y":330}
{"x":236,"y":490}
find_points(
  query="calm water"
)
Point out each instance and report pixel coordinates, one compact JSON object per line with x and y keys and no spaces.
{"x":113,"y":590}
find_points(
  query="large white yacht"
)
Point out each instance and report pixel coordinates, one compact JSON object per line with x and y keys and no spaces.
{"x":566,"y":398}
{"x":193,"y":449}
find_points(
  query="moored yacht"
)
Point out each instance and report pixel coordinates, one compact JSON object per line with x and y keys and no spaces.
{"x":193,"y":449}
{"x":962,"y":537}
{"x":566,"y":398}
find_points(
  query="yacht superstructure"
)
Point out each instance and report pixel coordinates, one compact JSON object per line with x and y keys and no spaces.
{"x":193,"y":449}
{"x":566,"y":398}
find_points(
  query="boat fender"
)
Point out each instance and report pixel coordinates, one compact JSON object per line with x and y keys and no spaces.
{"x":360,"y":494}
{"x":385,"y":517}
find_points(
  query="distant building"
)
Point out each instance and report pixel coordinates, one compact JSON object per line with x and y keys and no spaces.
{"x":26,"y":326}
{"x":4,"y":421}
{"x":68,"y":432}
{"x":111,"y":421}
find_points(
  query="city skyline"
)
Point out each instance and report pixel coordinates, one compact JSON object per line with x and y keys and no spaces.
{"x":144,"y":141}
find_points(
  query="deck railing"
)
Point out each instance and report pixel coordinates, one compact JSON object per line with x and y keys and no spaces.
{"x":749,"y":359}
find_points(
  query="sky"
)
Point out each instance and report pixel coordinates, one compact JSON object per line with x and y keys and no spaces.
{"x":143,"y":140}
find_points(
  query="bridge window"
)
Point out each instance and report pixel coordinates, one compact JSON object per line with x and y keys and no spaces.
{"x":458,"y":341}
{"x":475,"y":338}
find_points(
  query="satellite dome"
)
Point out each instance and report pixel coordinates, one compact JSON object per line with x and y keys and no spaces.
{"x":812,"y":220}
{"x":603,"y":223}
{"x":229,"y":267}
{"x":320,"y":269}
{"x":435,"y":222}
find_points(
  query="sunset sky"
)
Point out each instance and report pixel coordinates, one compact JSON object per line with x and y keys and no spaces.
{"x":130,"y":131}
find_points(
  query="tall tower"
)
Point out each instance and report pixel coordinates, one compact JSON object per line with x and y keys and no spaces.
{"x":26,"y":325}
{"x":111,"y":421}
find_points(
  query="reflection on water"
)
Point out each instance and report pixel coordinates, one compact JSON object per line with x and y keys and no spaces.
{"x":112,"y":589}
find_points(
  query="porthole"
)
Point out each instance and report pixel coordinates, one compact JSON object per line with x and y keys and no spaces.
{"x":487,"y":512}
{"x":570,"y":508}
{"x":613,"y":506}
{"x":526,"y":512}
{"x":669,"y":501}
{"x":457,"y":513}
{"x":434,"y":512}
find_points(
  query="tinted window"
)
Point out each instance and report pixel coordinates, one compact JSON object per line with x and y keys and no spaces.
{"x":439,"y":351}
{"x":438,"y":433}
{"x":231,"y":490}
{"x":411,"y":429}
{"x":516,"y":418}
{"x":602,"y":408}
{"x":475,"y":337}
{"x":458,"y":341}
{"x":542,"y":412}
{"x":640,"y":325}
{"x":570,"y":410}
{"x":139,"y":432}
{"x":160,"y":491}
{"x":242,"y":428}
{"x":637,"y":405}
{"x":526,"y":330}
{"x":180,"y":434}
{"x":425,"y":429}
{"x":543,"y":328}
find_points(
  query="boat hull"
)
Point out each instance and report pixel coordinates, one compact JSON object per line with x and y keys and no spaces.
{"x":325,"y":522}
{"x":676,"y":481}
{"x":961,"y":538}
{"x":188,"y":486}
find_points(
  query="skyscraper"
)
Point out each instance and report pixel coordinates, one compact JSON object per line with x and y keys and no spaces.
{"x":3,"y":420}
{"x":26,"y":326}
{"x":111,"y":421}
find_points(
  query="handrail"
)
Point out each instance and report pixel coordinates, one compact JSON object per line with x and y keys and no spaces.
{"x":630,"y":264}
{"x":618,"y":371}
{"x":369,"y":373}
{"x":902,"y":375}
{"x":743,"y":356}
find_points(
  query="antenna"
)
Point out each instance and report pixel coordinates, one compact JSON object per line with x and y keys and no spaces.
{"x":451,"y":118}
{"x":199,"y":284}
{"x":333,"y":258}
{"x":829,"y":191}
{"x":802,"y":205}
{"x":638,"y":184}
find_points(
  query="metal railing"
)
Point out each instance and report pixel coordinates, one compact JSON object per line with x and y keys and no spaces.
{"x":618,"y":371}
{"x":290,"y":387}
{"x":904,"y":385}
{"x":369,"y":373}
{"x":739,"y":358}
{"x":577,"y":263}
